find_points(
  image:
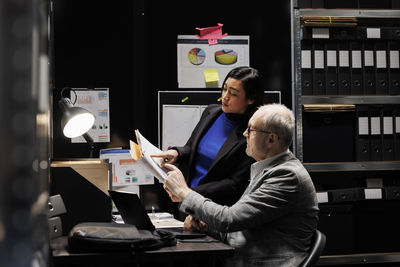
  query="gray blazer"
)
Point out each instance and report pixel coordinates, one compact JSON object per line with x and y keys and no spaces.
{"x":273,"y":222}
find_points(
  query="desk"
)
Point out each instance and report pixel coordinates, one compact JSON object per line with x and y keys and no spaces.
{"x":182,"y":252}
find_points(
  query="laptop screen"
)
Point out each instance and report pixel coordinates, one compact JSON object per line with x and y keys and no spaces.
{"x":131,"y":209}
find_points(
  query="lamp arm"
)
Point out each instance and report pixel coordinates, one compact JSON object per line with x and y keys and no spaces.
{"x":90,"y":142}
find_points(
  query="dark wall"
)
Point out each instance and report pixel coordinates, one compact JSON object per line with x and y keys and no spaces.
{"x":117,"y":44}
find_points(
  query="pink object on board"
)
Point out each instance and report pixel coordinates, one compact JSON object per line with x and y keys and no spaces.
{"x":212,"y":34}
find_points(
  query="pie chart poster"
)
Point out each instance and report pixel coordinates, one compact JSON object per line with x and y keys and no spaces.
{"x":195,"y":56}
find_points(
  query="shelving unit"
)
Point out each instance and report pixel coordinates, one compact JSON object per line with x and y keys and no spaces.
{"x":336,"y":169}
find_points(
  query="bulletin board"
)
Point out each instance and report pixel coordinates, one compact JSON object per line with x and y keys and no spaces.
{"x":197,"y":58}
{"x":180,"y":111}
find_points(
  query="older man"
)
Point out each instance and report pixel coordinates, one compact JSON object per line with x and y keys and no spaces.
{"x":273,"y":222}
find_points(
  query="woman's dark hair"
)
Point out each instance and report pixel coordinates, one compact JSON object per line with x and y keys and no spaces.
{"x":251,"y":81}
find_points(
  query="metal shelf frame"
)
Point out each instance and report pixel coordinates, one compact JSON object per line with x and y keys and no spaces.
{"x":353,"y":166}
{"x":298,"y":100}
{"x":297,"y":103}
{"x":364,"y":258}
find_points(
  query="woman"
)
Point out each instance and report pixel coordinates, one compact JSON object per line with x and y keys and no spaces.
{"x":214,"y":159}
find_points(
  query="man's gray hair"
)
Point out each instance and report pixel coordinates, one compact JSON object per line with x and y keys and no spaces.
{"x":277,"y":118}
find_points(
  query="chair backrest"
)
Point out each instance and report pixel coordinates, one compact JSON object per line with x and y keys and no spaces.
{"x":317,"y":246}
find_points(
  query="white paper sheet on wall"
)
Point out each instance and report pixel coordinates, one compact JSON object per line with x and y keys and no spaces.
{"x":95,"y":101}
{"x":195,"y":56}
{"x":178,"y":123}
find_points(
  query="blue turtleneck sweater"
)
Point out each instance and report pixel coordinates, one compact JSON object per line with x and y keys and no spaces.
{"x":209,"y":146}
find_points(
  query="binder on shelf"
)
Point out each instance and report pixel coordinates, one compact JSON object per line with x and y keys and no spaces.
{"x":340,"y":33}
{"x":331,"y":75}
{"x":364,"y":33}
{"x":388,"y":133}
{"x":317,"y":3}
{"x":356,"y":69}
{"x":375,"y":133}
{"x":381,"y":68}
{"x":392,"y":192}
{"x":362,"y":142}
{"x":368,"y":61}
{"x":344,"y":80}
{"x":394,"y":68}
{"x":306,"y":69}
{"x":319,"y":68}
{"x":397,"y":133}
{"x":346,"y":195}
{"x":304,"y":3}
{"x":391,"y":33}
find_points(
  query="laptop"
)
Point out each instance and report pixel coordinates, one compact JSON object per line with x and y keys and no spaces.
{"x":132,"y":212}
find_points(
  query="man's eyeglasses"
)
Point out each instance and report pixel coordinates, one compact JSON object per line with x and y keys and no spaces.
{"x":256,"y":130}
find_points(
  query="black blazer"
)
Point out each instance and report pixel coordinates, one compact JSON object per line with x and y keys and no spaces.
{"x":229,"y":173}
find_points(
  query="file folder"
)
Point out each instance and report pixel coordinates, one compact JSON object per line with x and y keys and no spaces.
{"x":381,"y":68}
{"x":356,"y":69}
{"x":368,"y":68}
{"x":304,"y":3}
{"x":391,"y":33}
{"x":397,"y":133}
{"x":306,"y":69}
{"x":388,"y":133}
{"x":375,"y":133}
{"x":394,"y":68}
{"x":343,"y":33}
{"x":317,"y":3}
{"x":331,"y":75}
{"x":362,"y":135}
{"x":319,"y":68}
{"x":344,"y":80}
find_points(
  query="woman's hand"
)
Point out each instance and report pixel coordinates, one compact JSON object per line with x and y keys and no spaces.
{"x":169,"y":156}
{"x":175,"y":184}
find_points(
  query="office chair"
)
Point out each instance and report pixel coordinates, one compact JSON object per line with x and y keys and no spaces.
{"x":317,"y":246}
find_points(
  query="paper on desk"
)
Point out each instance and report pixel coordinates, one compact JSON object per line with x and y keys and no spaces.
{"x":141,"y":153}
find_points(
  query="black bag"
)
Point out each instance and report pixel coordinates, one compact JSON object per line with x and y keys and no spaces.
{"x":114,"y":237}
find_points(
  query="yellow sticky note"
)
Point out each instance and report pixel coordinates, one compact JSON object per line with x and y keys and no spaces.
{"x":211,"y":77}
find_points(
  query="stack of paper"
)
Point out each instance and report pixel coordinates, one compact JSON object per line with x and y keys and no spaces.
{"x":142,"y":152}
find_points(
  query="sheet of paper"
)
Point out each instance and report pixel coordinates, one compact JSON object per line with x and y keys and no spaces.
{"x":148,"y":149}
{"x":195,"y":56}
{"x":96,"y":101}
{"x":178,"y":122}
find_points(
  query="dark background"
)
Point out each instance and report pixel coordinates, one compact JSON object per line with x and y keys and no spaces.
{"x":114,"y":44}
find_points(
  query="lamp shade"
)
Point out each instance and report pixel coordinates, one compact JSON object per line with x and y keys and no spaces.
{"x":75,"y":121}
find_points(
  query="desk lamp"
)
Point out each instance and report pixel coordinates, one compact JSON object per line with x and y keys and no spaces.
{"x":76,"y":121}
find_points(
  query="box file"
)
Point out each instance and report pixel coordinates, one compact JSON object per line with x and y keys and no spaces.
{"x":394,"y":67}
{"x":381,"y":68}
{"x":346,"y":195}
{"x":368,"y":61}
{"x":396,"y":4}
{"x":304,"y":3}
{"x":328,"y":136}
{"x":362,"y":137}
{"x":344,"y":80}
{"x":388,"y":134}
{"x":375,"y":133}
{"x":397,"y":133}
{"x":319,"y":68}
{"x":306,"y":68}
{"x":317,"y":3}
{"x":336,"y":222}
{"x":391,"y":33}
{"x":356,"y":69}
{"x":375,"y":4}
{"x":392,"y":192}
{"x":343,"y":33}
{"x":331,"y":75}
